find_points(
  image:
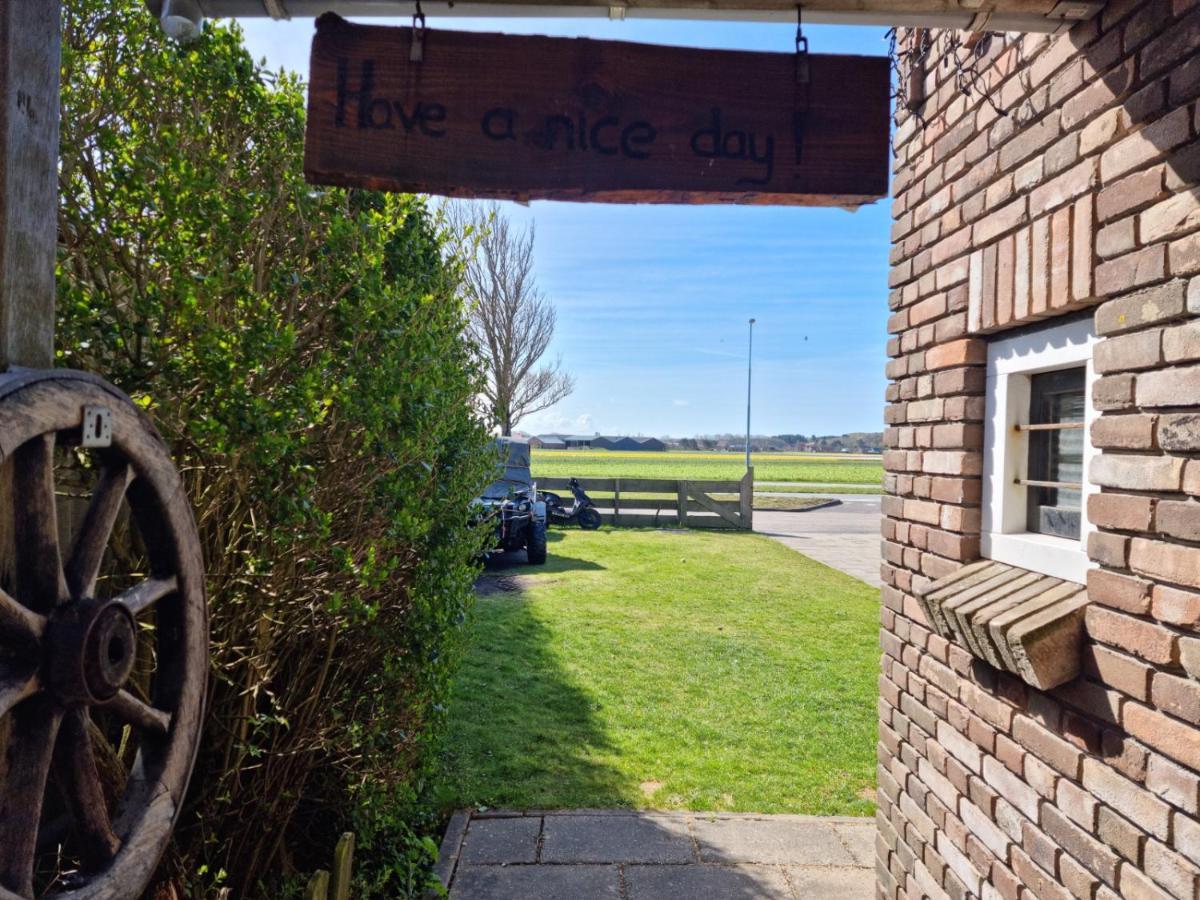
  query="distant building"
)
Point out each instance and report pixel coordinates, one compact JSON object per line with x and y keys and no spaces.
{"x":595,"y":442}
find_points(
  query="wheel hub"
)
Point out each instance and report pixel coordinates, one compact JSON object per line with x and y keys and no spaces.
{"x":92,"y":649}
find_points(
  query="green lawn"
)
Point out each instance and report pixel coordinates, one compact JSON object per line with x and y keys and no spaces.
{"x":669,"y":669}
{"x":797,"y":467}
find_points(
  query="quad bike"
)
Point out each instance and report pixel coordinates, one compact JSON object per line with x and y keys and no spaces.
{"x":512,"y":504}
{"x":583,"y":512}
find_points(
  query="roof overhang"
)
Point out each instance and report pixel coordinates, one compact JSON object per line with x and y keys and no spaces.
{"x":1049,"y":16}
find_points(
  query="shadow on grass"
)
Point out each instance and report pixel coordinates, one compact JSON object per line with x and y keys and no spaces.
{"x":515,"y":562}
{"x":522,"y":733}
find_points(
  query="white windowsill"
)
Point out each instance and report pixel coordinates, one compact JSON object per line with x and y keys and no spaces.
{"x":1054,"y":556}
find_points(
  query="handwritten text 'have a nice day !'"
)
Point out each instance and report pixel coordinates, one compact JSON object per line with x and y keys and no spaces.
{"x":360,"y":107}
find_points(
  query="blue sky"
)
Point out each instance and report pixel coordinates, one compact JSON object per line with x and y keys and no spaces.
{"x":653,"y":301}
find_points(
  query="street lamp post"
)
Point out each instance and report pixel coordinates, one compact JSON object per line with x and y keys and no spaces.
{"x":749,"y":372}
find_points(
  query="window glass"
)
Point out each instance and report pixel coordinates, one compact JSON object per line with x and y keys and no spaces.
{"x":1055,"y":481}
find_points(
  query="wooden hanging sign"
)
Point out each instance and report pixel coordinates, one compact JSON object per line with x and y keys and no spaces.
{"x":489,"y":115}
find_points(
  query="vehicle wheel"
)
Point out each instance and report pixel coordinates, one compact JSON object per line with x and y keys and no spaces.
{"x":536,"y":547}
{"x":589,"y":519}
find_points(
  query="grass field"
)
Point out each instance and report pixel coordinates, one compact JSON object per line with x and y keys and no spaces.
{"x":699,"y":466}
{"x":668,"y":669}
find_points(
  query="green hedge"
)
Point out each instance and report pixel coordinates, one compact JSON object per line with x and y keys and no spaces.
{"x":302,"y":351}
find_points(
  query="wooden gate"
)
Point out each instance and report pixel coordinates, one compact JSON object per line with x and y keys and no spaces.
{"x":659,"y":502}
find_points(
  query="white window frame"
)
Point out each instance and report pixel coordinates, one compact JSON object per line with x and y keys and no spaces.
{"x":1011,"y":362}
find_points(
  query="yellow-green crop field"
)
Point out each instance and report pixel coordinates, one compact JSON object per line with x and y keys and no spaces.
{"x":812,"y":468}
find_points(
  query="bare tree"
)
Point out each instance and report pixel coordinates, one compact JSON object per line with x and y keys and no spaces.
{"x":511,"y":321}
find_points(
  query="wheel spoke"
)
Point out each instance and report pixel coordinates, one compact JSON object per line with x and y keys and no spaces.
{"x":141,"y":597}
{"x":40,"y":579}
{"x":14,"y":690}
{"x":75,"y":769}
{"x":129,"y":708}
{"x":23,"y":627}
{"x":87,"y":555}
{"x":30,"y":751}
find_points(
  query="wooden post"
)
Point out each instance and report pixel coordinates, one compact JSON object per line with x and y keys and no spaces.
{"x":343,"y":868}
{"x":616,"y":502}
{"x":682,"y":502}
{"x":30,"y":56}
{"x":748,"y":499}
{"x":318,"y":886}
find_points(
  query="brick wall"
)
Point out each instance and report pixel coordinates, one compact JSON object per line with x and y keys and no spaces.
{"x":1083,"y":197}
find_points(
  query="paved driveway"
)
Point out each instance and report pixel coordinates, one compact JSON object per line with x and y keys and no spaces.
{"x":628,"y":855}
{"x":845,"y":537}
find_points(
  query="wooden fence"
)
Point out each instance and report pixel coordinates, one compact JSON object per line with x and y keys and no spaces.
{"x":657,"y":502}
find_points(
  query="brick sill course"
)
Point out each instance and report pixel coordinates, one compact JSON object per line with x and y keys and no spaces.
{"x":1023,"y":622}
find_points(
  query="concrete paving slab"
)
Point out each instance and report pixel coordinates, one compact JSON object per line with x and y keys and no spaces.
{"x":623,"y":854}
{"x":616,"y":839}
{"x":496,"y":841}
{"x":811,"y":883}
{"x":709,"y":882}
{"x":859,"y":840}
{"x":767,"y":841}
{"x":536,"y":883}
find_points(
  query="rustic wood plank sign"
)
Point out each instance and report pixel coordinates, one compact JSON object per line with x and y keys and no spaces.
{"x":517,"y":117}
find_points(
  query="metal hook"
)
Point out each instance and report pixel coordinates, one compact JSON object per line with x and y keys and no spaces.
{"x":801,"y":47}
{"x":417,"y":53}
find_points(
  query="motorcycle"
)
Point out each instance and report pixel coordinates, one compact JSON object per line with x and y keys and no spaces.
{"x":582,"y":512}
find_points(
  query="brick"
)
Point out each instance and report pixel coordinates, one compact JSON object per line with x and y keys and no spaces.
{"x":1169,"y":387}
{"x":1171,"y":870}
{"x":966,"y":352}
{"x":1039,"y":279}
{"x":1129,"y":352}
{"x":1178,"y":607}
{"x":1076,"y":803}
{"x":1090,"y":853}
{"x":1137,"y":473}
{"x":1179,"y":519}
{"x":1129,"y":194}
{"x":1063,"y":188}
{"x":1187,"y":833}
{"x":1141,"y":147}
{"x":1179,"y":214}
{"x":1130,"y":800}
{"x":1125,"y":673}
{"x":1124,"y":432}
{"x":1182,"y":343}
{"x":1120,"y":834}
{"x":1118,"y":238}
{"x":1050,"y":748}
{"x":1139,"y":310}
{"x":1136,"y":885}
{"x":1170,"y":562}
{"x":1179,"y":432}
{"x":1170,"y":737}
{"x":1108,"y":549}
{"x":1148,"y":640}
{"x":1099,"y":132}
{"x":1113,"y":392}
{"x":1177,"y":696}
{"x":1060,"y":258}
{"x":1118,"y":591}
{"x":1082,"y":242}
{"x":1174,"y":784}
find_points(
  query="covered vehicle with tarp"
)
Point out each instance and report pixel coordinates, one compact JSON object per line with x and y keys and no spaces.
{"x":512,"y":505}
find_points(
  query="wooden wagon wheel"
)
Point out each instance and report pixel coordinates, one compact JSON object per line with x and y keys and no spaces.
{"x":70,"y":638}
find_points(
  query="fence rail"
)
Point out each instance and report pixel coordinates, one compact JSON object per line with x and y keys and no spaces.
{"x":655,"y":502}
